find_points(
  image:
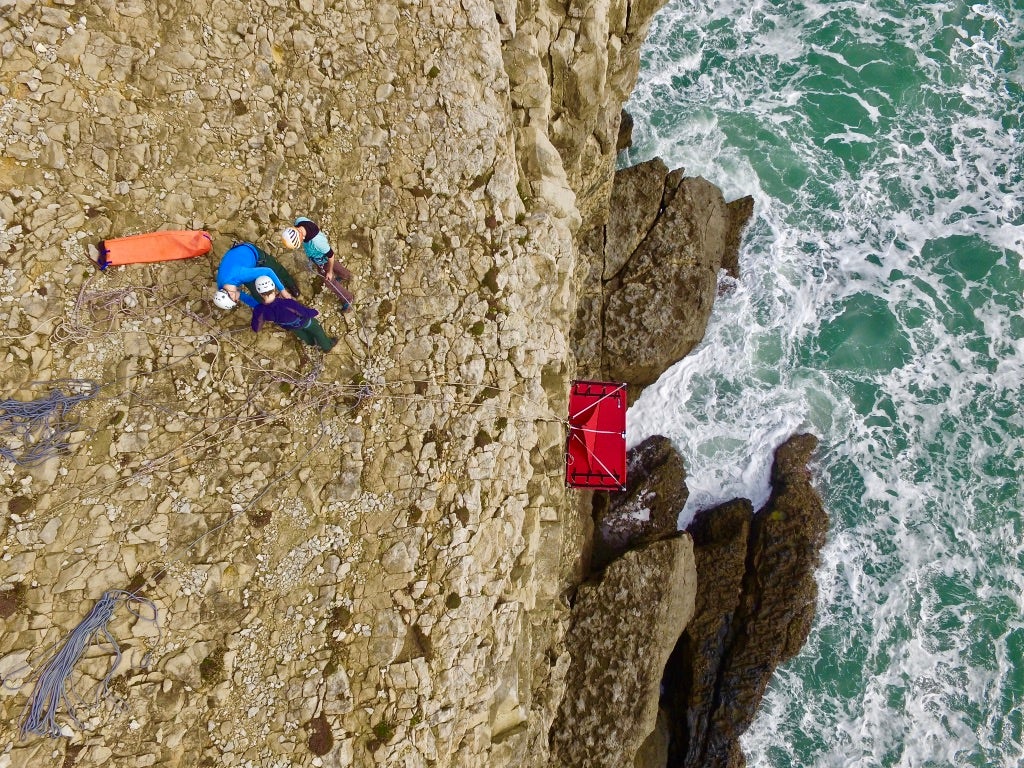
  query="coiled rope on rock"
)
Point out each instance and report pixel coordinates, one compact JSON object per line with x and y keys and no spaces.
{"x":53,"y":685}
{"x":33,"y":431}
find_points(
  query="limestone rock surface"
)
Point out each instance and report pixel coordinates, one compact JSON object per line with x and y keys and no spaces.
{"x":355,"y":559}
{"x":624,"y":627}
{"x":654,"y":270}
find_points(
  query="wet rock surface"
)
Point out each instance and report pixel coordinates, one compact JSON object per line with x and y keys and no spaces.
{"x":754,"y":609}
{"x":648,"y":509}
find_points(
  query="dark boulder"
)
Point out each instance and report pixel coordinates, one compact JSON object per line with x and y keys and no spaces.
{"x":625,"y":137}
{"x":754,"y":609}
{"x":649,"y":509}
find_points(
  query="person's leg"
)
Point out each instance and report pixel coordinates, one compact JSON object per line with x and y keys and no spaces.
{"x":337,"y":289}
{"x":341,"y":273}
{"x":266,"y":260}
{"x":304,"y":336}
{"x":322,"y":340}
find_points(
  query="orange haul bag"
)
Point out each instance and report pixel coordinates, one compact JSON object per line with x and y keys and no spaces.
{"x":154,"y":246}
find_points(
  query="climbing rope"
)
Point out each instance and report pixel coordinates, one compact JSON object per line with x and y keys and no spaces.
{"x":37,"y":430}
{"x":54,"y":687}
{"x":97,"y":311}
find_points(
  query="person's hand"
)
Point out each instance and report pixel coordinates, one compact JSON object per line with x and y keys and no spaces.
{"x":286,"y":293}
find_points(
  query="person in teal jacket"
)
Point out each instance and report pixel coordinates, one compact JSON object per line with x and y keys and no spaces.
{"x":318,"y":250}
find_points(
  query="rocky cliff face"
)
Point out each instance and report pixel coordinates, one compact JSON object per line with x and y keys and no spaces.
{"x":354,"y":558}
{"x":754,"y":611}
{"x":359,"y":559}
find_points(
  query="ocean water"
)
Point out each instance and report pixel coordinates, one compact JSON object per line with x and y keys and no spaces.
{"x":880,"y":307}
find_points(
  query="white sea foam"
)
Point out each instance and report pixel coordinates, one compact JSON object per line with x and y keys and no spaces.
{"x":916,"y":655}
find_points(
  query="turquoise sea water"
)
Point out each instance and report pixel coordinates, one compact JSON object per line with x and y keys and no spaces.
{"x":880,"y":307}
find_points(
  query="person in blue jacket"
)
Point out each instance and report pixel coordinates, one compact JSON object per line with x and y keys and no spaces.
{"x":289,"y":314}
{"x":241,"y":265}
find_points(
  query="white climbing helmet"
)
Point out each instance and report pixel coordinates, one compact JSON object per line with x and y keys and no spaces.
{"x":264,"y":284}
{"x":222,"y":300}
{"x":291,"y":237}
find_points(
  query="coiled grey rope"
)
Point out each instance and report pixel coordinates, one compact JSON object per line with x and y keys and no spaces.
{"x":53,"y":684}
{"x":34,"y":431}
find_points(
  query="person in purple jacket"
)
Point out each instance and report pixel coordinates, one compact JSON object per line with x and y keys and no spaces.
{"x":289,"y":314}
